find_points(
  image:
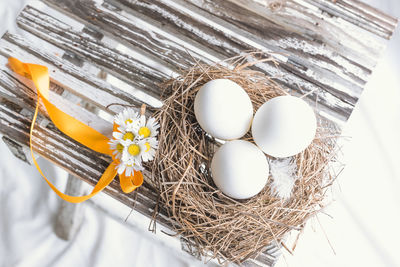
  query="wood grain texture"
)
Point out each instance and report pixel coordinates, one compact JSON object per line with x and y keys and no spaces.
{"x":67,"y":75}
{"x":90,"y":89}
{"x":297,"y":74}
{"x":16,"y":149}
{"x":325,"y":49}
{"x":61,"y":35}
{"x":70,"y":215}
{"x":131,"y":30}
{"x":360,"y":14}
{"x":324,"y":27}
{"x":228,"y":30}
{"x":12,"y":88}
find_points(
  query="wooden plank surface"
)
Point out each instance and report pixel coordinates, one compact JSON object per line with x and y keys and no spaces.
{"x":118,"y":51}
{"x":131,"y":30}
{"x":105,"y":57}
{"x":66,"y":74}
{"x":300,"y":72}
{"x":217,"y":42}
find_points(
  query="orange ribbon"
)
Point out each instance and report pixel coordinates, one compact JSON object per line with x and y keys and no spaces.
{"x":74,"y":129}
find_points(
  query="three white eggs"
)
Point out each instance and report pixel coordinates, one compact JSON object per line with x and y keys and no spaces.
{"x":282,"y":127}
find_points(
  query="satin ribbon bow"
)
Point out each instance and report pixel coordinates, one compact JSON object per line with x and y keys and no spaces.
{"x":76,"y":130}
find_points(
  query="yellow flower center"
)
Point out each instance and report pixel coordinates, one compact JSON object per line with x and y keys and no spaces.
{"x":134,"y":150}
{"x":147,"y":144}
{"x":128,"y":121}
{"x":129,"y":136}
{"x":120,"y":148}
{"x":145,"y":132}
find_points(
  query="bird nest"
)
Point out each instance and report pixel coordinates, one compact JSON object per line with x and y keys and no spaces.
{"x":215,"y":224}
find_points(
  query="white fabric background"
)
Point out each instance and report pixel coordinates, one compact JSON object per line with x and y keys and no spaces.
{"x":363,"y":230}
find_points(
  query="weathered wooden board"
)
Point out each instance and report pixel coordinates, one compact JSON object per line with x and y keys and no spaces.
{"x":68,"y":75}
{"x":298,"y":72}
{"x":117,"y":51}
{"x":83,"y":45}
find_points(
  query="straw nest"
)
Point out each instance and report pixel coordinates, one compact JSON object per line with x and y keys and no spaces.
{"x":216,"y":225}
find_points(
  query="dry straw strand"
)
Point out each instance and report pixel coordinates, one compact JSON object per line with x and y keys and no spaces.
{"x":216,"y":225}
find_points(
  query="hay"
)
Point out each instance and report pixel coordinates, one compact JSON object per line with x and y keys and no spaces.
{"x":216,"y":225}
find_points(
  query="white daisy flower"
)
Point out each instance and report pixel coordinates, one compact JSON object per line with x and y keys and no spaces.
{"x":149,"y":128}
{"x":133,"y":151}
{"x":116,"y":147}
{"x":151,"y":144}
{"x":125,"y":135}
{"x":128,"y":119}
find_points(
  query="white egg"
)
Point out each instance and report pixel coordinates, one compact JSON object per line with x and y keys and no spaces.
{"x":223,"y":109}
{"x":240,"y":169}
{"x":284,"y":126}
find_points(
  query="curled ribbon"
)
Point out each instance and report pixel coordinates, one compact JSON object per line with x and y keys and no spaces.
{"x":73,"y":128}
